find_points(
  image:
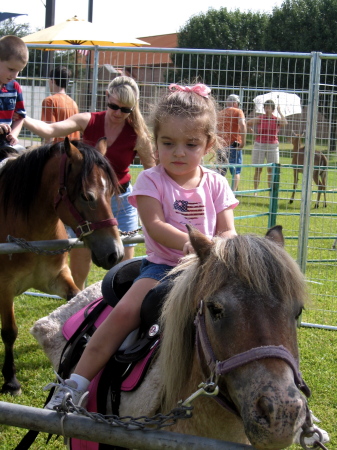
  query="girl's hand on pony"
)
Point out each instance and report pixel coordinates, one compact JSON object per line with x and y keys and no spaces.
{"x":187,"y":249}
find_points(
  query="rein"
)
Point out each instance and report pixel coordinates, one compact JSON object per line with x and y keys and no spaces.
{"x":84,"y":227}
{"x":219,"y":368}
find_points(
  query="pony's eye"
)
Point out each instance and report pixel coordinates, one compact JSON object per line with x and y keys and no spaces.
{"x":87,"y":197}
{"x":299,"y":313}
{"x":215,"y":309}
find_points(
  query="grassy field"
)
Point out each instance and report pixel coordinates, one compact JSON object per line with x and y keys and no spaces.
{"x":317,"y":346}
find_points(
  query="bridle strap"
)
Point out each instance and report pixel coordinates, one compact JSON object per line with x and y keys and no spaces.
{"x":84,"y":227}
{"x":219,"y":368}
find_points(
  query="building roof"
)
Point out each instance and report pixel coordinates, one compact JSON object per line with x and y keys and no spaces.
{"x":141,"y":59}
{"x":162,"y":40}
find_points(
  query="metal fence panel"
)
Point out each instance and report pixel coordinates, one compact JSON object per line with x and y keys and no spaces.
{"x":310,"y":233}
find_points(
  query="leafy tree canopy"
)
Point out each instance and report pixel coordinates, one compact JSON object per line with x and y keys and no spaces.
{"x":222,"y":29}
{"x":295,"y":26}
{"x":10,"y":27}
{"x":303,"y":26}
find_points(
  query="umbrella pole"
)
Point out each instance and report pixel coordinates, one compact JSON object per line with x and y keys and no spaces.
{"x":75,"y":76}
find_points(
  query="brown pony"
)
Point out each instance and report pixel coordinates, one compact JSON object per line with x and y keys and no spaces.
{"x":319,"y":173}
{"x":229,"y":321}
{"x":41,"y":189}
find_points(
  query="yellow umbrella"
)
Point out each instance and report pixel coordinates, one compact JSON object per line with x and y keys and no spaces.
{"x":80,"y":32}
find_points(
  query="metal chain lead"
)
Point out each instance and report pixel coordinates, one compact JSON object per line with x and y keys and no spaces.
{"x":129,"y":233}
{"x":145,"y":423}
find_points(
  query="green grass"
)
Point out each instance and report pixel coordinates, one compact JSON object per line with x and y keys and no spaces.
{"x":317,"y":346}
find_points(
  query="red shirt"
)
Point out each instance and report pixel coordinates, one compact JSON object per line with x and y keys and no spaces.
{"x":267,"y":130}
{"x":121,"y":153}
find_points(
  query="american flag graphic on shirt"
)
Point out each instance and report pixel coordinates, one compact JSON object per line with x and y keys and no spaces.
{"x":190,"y":210}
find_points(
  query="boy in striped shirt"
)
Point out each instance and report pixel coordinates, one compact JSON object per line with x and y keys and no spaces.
{"x":13,"y":59}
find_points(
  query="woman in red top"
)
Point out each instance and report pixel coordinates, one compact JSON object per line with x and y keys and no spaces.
{"x":127,"y":135}
{"x":266,"y":145}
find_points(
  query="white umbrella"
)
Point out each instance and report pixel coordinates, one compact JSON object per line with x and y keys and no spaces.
{"x":289,"y":103}
{"x":80,"y":32}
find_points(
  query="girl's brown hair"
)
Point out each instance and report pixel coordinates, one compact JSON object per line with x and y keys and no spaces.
{"x":187,"y":105}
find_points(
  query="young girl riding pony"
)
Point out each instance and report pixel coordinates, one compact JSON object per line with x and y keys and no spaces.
{"x":177,"y":192}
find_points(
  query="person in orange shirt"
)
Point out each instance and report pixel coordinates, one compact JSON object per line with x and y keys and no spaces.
{"x":59,"y":106}
{"x":232,"y":129}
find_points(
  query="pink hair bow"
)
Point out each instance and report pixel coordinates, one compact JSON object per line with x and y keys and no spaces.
{"x":200,"y":89}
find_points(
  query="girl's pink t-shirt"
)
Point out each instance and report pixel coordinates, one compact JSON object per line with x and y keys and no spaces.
{"x":267,"y":130}
{"x":198,"y":207}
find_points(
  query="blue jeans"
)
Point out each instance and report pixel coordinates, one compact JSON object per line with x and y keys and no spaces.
{"x":152,"y":270}
{"x":125,"y":213}
{"x":235,"y":157}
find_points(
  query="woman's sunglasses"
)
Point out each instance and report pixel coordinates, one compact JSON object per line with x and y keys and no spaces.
{"x":124,"y":109}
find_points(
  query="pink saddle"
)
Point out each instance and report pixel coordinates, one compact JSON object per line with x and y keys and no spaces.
{"x":130,"y":383}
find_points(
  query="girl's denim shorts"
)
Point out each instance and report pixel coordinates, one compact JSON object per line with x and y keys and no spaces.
{"x":153,"y":270}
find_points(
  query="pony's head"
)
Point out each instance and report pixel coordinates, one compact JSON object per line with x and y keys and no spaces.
{"x":253,"y":292}
{"x":31,"y":184}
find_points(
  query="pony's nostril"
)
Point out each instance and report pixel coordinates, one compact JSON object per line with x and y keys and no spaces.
{"x":265,"y":408}
{"x":115,"y":258}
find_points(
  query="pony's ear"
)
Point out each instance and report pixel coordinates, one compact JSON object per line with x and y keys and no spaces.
{"x":201,"y":244}
{"x":275,"y":234}
{"x":101,"y":145}
{"x":72,"y":152}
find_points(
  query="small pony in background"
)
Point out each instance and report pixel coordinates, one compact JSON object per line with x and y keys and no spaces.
{"x":320,"y":168}
{"x":40,"y":191}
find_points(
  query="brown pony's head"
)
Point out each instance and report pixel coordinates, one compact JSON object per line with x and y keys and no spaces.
{"x":253,"y":293}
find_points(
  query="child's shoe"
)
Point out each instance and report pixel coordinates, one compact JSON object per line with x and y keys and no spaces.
{"x":79,"y":398}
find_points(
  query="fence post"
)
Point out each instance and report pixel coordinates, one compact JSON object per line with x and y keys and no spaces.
{"x":308,"y":163}
{"x":273,"y":203}
{"x":94,"y":80}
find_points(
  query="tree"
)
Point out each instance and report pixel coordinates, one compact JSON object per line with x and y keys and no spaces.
{"x":303,"y":26}
{"x":220,"y":29}
{"x":10,"y":27}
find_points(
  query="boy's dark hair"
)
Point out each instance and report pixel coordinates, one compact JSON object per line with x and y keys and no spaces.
{"x":60,"y":75}
{"x":271,"y":103}
{"x":13,"y":47}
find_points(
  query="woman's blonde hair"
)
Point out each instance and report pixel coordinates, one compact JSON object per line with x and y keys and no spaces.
{"x":188,"y":105}
{"x":126,"y":90}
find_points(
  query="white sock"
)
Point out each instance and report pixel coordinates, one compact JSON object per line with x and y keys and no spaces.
{"x":82,"y":383}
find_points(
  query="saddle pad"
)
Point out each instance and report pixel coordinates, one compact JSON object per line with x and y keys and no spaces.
{"x":72,"y":324}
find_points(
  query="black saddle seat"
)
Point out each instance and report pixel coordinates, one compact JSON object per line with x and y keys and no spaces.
{"x":119,"y":279}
